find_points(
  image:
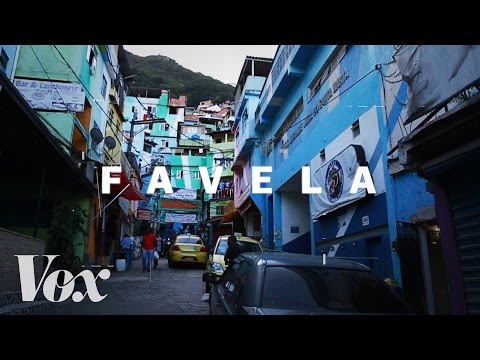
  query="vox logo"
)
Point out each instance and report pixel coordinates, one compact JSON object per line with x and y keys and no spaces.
{"x":50,"y":282}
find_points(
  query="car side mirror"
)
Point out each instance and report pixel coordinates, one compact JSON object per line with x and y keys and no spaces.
{"x":210,"y":252}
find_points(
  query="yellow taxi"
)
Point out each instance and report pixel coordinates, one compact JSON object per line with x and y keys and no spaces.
{"x":187,"y":249}
{"x":216,"y":261}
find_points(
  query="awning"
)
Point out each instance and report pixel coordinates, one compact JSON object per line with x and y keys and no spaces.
{"x":131,"y":193}
{"x":229,"y":217}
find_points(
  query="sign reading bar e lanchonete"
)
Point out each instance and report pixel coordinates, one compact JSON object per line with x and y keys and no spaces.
{"x":52,"y":95}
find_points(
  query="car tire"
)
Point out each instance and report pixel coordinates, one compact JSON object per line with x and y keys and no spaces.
{"x":170,"y":264}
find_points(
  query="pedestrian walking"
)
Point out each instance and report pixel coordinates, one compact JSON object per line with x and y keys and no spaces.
{"x":233,"y":250}
{"x":127,"y":246}
{"x":148,"y":244}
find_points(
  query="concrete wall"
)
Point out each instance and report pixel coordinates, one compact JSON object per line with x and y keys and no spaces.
{"x":12,"y":244}
{"x":295,"y":212}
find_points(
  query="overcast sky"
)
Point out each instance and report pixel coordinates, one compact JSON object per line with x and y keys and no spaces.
{"x":222,"y":62}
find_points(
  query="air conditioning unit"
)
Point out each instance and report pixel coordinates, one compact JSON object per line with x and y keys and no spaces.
{"x":200,"y":151}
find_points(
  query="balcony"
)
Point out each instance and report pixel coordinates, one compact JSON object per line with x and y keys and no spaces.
{"x":288,"y":67}
{"x":197,"y":143}
{"x":226,"y":194}
{"x":252,"y":88}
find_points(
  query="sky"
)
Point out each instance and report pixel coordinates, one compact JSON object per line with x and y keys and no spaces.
{"x":222,"y":62}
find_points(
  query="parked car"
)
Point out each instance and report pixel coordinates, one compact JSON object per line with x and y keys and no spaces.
{"x":187,"y":249}
{"x":216,"y":258}
{"x":274,"y":283}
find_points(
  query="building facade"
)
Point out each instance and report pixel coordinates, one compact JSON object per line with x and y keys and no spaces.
{"x":326,"y":108}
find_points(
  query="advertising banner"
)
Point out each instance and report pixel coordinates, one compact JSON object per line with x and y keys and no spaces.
{"x":52,"y":95}
{"x":181,"y":218}
{"x":182,"y":194}
{"x":335,"y":177}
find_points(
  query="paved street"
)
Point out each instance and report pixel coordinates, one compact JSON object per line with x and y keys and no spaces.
{"x":175,"y":291}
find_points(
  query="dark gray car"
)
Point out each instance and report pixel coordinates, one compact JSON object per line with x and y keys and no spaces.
{"x":272,"y":283}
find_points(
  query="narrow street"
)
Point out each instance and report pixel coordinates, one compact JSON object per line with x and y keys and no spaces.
{"x":175,"y":291}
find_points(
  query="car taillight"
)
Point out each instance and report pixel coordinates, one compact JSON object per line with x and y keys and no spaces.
{"x":203,"y":249}
{"x":176,"y":248}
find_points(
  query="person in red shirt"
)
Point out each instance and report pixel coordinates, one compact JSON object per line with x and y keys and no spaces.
{"x":149,"y":244}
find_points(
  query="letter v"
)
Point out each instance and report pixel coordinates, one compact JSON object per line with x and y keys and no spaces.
{"x":27,"y":275}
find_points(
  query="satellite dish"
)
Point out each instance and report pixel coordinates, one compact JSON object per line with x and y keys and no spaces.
{"x":96,"y":135}
{"x":195,"y":137}
{"x":110,"y":142}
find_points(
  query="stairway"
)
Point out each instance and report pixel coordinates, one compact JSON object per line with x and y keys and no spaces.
{"x":11,"y":304}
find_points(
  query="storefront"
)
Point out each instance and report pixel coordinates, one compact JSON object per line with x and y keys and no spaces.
{"x":446,"y":151}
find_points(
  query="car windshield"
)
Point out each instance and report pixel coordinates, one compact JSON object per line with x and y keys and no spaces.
{"x":245,"y":245}
{"x":188,"y":240}
{"x":320,"y":289}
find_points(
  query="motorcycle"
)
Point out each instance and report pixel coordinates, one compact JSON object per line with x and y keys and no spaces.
{"x":166,"y":244}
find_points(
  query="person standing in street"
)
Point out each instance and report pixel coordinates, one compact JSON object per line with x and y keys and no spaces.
{"x":233,"y":250}
{"x":149,"y":244}
{"x":127,"y":245}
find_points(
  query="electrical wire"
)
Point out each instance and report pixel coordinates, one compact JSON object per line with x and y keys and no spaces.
{"x":312,"y":114}
{"x":91,"y":95}
{"x":176,"y":130}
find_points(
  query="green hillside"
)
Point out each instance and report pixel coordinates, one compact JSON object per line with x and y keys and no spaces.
{"x":161,"y":72}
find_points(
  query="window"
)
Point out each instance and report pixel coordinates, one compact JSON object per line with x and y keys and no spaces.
{"x":196,"y":174}
{"x":356,"y":129}
{"x":149,"y":108}
{"x":179,"y":174}
{"x":103,"y":90}
{"x":327,"y":69}
{"x":162,"y":143}
{"x":236,"y":288}
{"x":166,"y":127}
{"x":3,"y":59}
{"x":166,"y":143}
{"x":322,"y":156}
{"x":218,"y":141}
{"x":289,"y":120}
{"x":150,"y":126}
{"x":134,"y":109}
{"x":110,"y":114}
{"x":95,"y":146}
{"x":147,"y":148}
{"x":219,"y":210}
{"x":329,"y":290}
{"x":92,"y":59}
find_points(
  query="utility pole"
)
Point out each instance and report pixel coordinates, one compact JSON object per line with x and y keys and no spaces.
{"x":139,"y":122}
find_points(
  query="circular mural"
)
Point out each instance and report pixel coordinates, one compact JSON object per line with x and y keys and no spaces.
{"x":334,"y":181}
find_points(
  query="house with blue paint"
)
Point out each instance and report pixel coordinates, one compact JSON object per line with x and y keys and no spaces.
{"x":327,"y":108}
{"x":250,"y":206}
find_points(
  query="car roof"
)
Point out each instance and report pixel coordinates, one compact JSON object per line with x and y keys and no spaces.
{"x":290,"y":259}
{"x":241,"y":238}
{"x":187,"y":236}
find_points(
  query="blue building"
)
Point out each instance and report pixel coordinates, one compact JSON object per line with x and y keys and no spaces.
{"x":328,"y":108}
{"x":247,"y":154}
